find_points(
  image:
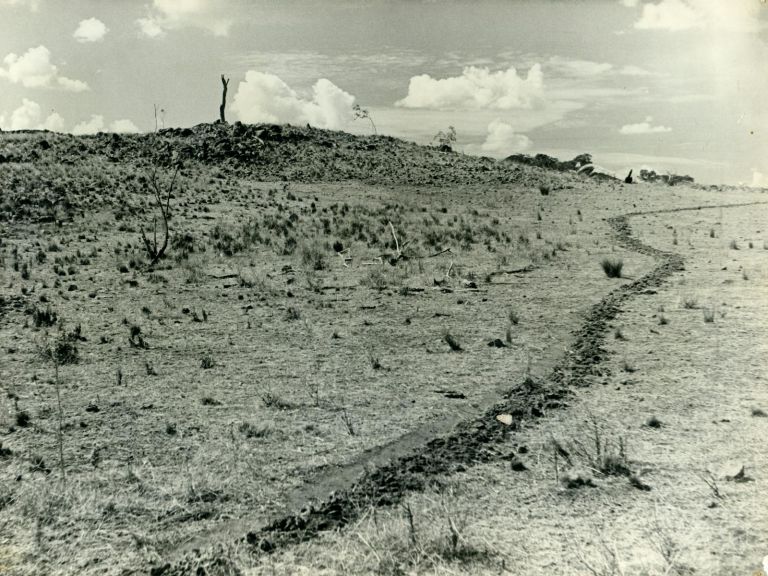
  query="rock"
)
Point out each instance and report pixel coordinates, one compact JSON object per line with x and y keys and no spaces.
{"x":518,"y":465}
{"x":737,"y":473}
{"x":497,"y":343}
{"x":577,"y":478}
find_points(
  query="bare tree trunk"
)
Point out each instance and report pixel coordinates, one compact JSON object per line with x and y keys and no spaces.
{"x":225,"y":84}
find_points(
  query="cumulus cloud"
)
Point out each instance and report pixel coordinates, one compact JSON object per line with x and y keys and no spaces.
{"x":34,"y":69}
{"x":676,"y":15}
{"x":264,"y":97}
{"x":643,"y":128}
{"x":124,"y":126}
{"x":92,"y":126}
{"x":90,"y":30}
{"x":165,"y":15}
{"x":502,"y":140}
{"x":759,"y":179}
{"x":669,"y":15}
{"x":29,"y":116}
{"x":476,"y":88}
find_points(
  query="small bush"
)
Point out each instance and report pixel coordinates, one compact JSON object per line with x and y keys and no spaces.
{"x":612,"y":267}
{"x":545,"y":189}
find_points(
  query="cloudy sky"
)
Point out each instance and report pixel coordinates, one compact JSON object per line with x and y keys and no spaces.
{"x":675,"y":85}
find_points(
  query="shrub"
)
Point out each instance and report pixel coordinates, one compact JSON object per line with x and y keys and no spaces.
{"x":313,"y":257}
{"x":612,"y":267}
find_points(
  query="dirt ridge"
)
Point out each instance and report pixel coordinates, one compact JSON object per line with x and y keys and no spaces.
{"x":474,"y":441}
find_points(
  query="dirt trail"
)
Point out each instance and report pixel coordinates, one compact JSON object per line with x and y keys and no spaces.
{"x":473,"y":441}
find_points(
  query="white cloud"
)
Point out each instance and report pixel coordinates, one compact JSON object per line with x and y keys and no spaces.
{"x":90,"y":30}
{"x":759,"y":179}
{"x":92,"y":126}
{"x":149,"y":27}
{"x":29,"y":116}
{"x":164,"y":15}
{"x":124,"y":126}
{"x":578,"y":67}
{"x":502,"y":140}
{"x":643,"y":128}
{"x":476,"y":88}
{"x":34,"y":70}
{"x":669,"y":15}
{"x":33,"y":5}
{"x":718,"y":15}
{"x":631,"y":70}
{"x":263,"y":97}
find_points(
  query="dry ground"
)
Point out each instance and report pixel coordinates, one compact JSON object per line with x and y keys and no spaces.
{"x":274,"y":370}
{"x":703,"y":382}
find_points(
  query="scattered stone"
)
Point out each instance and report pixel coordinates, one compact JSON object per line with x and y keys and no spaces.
{"x":518,"y":465}
{"x":497,"y":343}
{"x":739,"y":475}
{"x":653,"y":422}
{"x":505,"y":419}
{"x":578,"y":478}
{"x":635,"y":481}
{"x":91,"y":408}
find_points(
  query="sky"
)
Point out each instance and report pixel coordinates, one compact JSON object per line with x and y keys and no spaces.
{"x":677,"y":86}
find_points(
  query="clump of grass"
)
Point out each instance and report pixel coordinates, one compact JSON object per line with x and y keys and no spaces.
{"x":135,"y":339}
{"x":292,"y":313}
{"x":45,"y":317}
{"x":759,"y":413}
{"x":374,"y":361}
{"x":514,"y":317}
{"x":251,"y":430}
{"x":690,"y":303}
{"x":207,"y":362}
{"x":618,"y":334}
{"x":711,"y":232}
{"x":452,"y":342}
{"x":709,"y":315}
{"x":627,"y":367}
{"x":734,"y":245}
{"x":271,"y":400}
{"x":663,"y":321}
{"x":612,"y":267}
{"x":545,"y":189}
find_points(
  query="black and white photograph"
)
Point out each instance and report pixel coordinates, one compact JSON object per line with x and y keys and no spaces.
{"x":384,"y":287}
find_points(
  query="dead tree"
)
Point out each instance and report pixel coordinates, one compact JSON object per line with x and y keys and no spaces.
{"x":225,"y":84}
{"x":154,"y":251}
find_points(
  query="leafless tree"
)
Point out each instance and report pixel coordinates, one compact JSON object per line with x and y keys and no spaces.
{"x":154,"y":251}
{"x":225,"y":85}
